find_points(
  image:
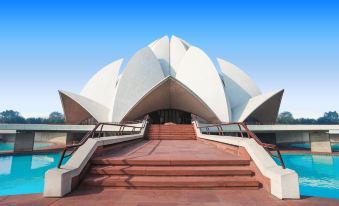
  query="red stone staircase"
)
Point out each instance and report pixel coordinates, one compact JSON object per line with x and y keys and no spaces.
{"x":170,"y":132}
{"x":163,"y":164}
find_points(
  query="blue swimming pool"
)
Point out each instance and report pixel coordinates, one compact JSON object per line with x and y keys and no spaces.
{"x":301,"y":145}
{"x":335,"y":146}
{"x":10,"y":145}
{"x":24,"y":174}
{"x":318,"y":174}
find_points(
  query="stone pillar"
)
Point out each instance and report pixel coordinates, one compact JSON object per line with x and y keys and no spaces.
{"x":24,"y":141}
{"x":292,"y":137}
{"x":56,"y":137}
{"x":320,"y":142}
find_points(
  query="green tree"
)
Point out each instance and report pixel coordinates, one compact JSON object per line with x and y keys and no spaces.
{"x":329,"y":118}
{"x":305,"y":121}
{"x":56,"y":117}
{"x":10,"y":116}
{"x":36,"y":120}
{"x":286,"y":118}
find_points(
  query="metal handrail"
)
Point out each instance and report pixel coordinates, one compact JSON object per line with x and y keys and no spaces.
{"x":91,"y":134}
{"x":249,"y":134}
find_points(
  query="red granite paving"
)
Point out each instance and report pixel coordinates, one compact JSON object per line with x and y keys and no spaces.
{"x":177,"y":151}
{"x":170,"y":170}
{"x":121,"y":197}
{"x":171,"y":181}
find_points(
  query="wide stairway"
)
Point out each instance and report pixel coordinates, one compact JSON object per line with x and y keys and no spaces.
{"x":170,"y":132}
{"x":171,"y":164}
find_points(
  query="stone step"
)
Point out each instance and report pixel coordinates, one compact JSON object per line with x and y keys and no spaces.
{"x":173,"y":125}
{"x":178,"y":129}
{"x":167,"y":128}
{"x":170,"y":132}
{"x":169,"y":135}
{"x":173,"y":131}
{"x":171,"y":181}
{"x":171,"y":138}
{"x":172,"y":170}
{"x":173,"y":128}
{"x":167,"y":162}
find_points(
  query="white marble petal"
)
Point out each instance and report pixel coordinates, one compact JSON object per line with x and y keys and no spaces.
{"x":142,"y":73}
{"x":95,"y":109}
{"x":161,"y":50}
{"x":263,"y":108}
{"x":101,"y":87}
{"x":177,"y":52}
{"x":239,"y":87}
{"x":198,"y":73}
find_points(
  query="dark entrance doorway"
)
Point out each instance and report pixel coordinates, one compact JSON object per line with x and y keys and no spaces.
{"x":170,"y":116}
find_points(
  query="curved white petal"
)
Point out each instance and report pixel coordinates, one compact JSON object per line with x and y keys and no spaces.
{"x":102,"y":85}
{"x":77,"y":108}
{"x":142,"y":72}
{"x":153,"y":43}
{"x":262,"y":108}
{"x":186,"y":44}
{"x":171,"y":94}
{"x":198,"y":73}
{"x":177,"y":52}
{"x":239,"y":87}
{"x":161,"y":50}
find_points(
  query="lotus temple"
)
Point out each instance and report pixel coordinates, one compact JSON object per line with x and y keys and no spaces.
{"x":170,"y":80}
{"x":169,"y":126}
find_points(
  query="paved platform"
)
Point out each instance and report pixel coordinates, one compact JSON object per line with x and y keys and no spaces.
{"x":123,"y":197}
{"x":171,"y":150}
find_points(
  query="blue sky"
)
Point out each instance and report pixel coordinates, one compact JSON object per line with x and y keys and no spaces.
{"x":51,"y":45}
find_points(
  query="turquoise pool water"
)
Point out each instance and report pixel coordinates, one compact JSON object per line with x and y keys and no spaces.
{"x":10,"y":145}
{"x":318,"y":174}
{"x":302,"y":145}
{"x":24,"y":174}
{"x":335,"y":146}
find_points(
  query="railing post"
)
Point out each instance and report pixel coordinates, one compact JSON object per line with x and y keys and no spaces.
{"x":218,"y":128}
{"x":62,"y":157}
{"x":102,"y":125}
{"x":280,"y":158}
{"x":240,"y":130}
{"x":222,"y":130}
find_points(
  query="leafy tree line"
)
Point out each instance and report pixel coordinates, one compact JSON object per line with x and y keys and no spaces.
{"x":328,"y":118}
{"x":10,"y":116}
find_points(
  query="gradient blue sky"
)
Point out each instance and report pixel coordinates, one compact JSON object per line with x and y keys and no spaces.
{"x":51,"y":45}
